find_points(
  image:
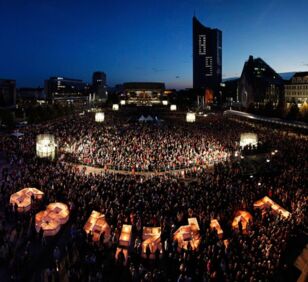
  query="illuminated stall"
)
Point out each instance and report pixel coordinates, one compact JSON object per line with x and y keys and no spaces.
{"x":188,"y":234}
{"x":98,"y":225}
{"x":267,"y":203}
{"x":99,"y":117}
{"x":193,"y":223}
{"x":23,"y":200}
{"x":151,"y":239}
{"x":45,"y":146}
{"x":115,"y":107}
{"x":173,"y":108}
{"x":191,"y":117}
{"x":126,"y":235}
{"x":215,"y":225}
{"x":248,"y":139}
{"x":51,"y":219}
{"x":244,"y":217}
{"x":124,"y":241}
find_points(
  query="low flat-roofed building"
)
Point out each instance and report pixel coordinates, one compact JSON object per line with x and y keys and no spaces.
{"x":143,"y":93}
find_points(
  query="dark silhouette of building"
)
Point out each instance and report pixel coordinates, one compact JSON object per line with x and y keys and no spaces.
{"x":7,"y":93}
{"x":66,"y":89}
{"x":229,"y":91}
{"x":207,"y":60}
{"x":260,"y":84}
{"x":29,"y":93}
{"x":99,"y":86}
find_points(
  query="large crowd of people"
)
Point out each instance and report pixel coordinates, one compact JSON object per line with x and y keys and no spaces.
{"x":139,"y":146}
{"x":216,"y":191}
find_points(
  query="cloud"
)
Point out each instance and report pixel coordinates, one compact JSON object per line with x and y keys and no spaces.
{"x":305,"y":64}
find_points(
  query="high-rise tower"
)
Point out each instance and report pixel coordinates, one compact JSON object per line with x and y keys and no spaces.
{"x":207,"y":58}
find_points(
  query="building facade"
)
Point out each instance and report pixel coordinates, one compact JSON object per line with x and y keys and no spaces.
{"x":296,"y":90}
{"x":143,"y":93}
{"x":207,"y":58}
{"x":259,"y":84}
{"x":66,"y":89}
{"x":99,"y":86}
{"x":29,"y":93}
{"x":7,"y":93}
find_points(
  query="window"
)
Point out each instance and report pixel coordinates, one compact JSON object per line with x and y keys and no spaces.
{"x":202,"y":44}
{"x":208,"y":66}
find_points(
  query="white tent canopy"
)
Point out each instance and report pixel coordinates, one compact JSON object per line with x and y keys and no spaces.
{"x":17,"y":134}
{"x":142,"y":118}
{"x":149,"y":118}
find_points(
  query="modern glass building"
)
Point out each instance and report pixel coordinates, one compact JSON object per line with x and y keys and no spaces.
{"x":259,"y":84}
{"x":207,"y":58}
{"x":66,"y":89}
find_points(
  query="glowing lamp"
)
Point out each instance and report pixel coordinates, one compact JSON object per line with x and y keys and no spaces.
{"x":190,"y":117}
{"x":115,"y":107}
{"x":51,"y":219}
{"x":23,"y":198}
{"x":99,"y":117}
{"x":172,"y":107}
{"x":98,"y":225}
{"x":165,"y":102}
{"x":248,"y":139}
{"x":45,"y":146}
{"x":122,"y":102}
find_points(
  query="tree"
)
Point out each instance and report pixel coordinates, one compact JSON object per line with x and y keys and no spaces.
{"x":268,"y":108}
{"x":293,"y":112}
{"x":251,"y":108}
{"x":304,"y":112}
{"x":7,"y":118}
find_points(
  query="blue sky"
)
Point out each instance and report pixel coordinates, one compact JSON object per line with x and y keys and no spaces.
{"x":149,"y":40}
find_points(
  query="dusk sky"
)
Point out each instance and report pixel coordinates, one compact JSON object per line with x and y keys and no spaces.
{"x":149,"y":40}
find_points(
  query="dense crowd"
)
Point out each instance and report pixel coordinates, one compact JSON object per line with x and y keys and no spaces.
{"x":166,"y":201}
{"x":140,"y":146}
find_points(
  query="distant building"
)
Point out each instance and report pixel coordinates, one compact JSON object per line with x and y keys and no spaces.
{"x":207,"y":59}
{"x":259,"y":84}
{"x":296,"y":89}
{"x":99,"y":86}
{"x":229,"y":89}
{"x":29,"y":93}
{"x":66,"y":89}
{"x":143,"y":93}
{"x":7,"y":93}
